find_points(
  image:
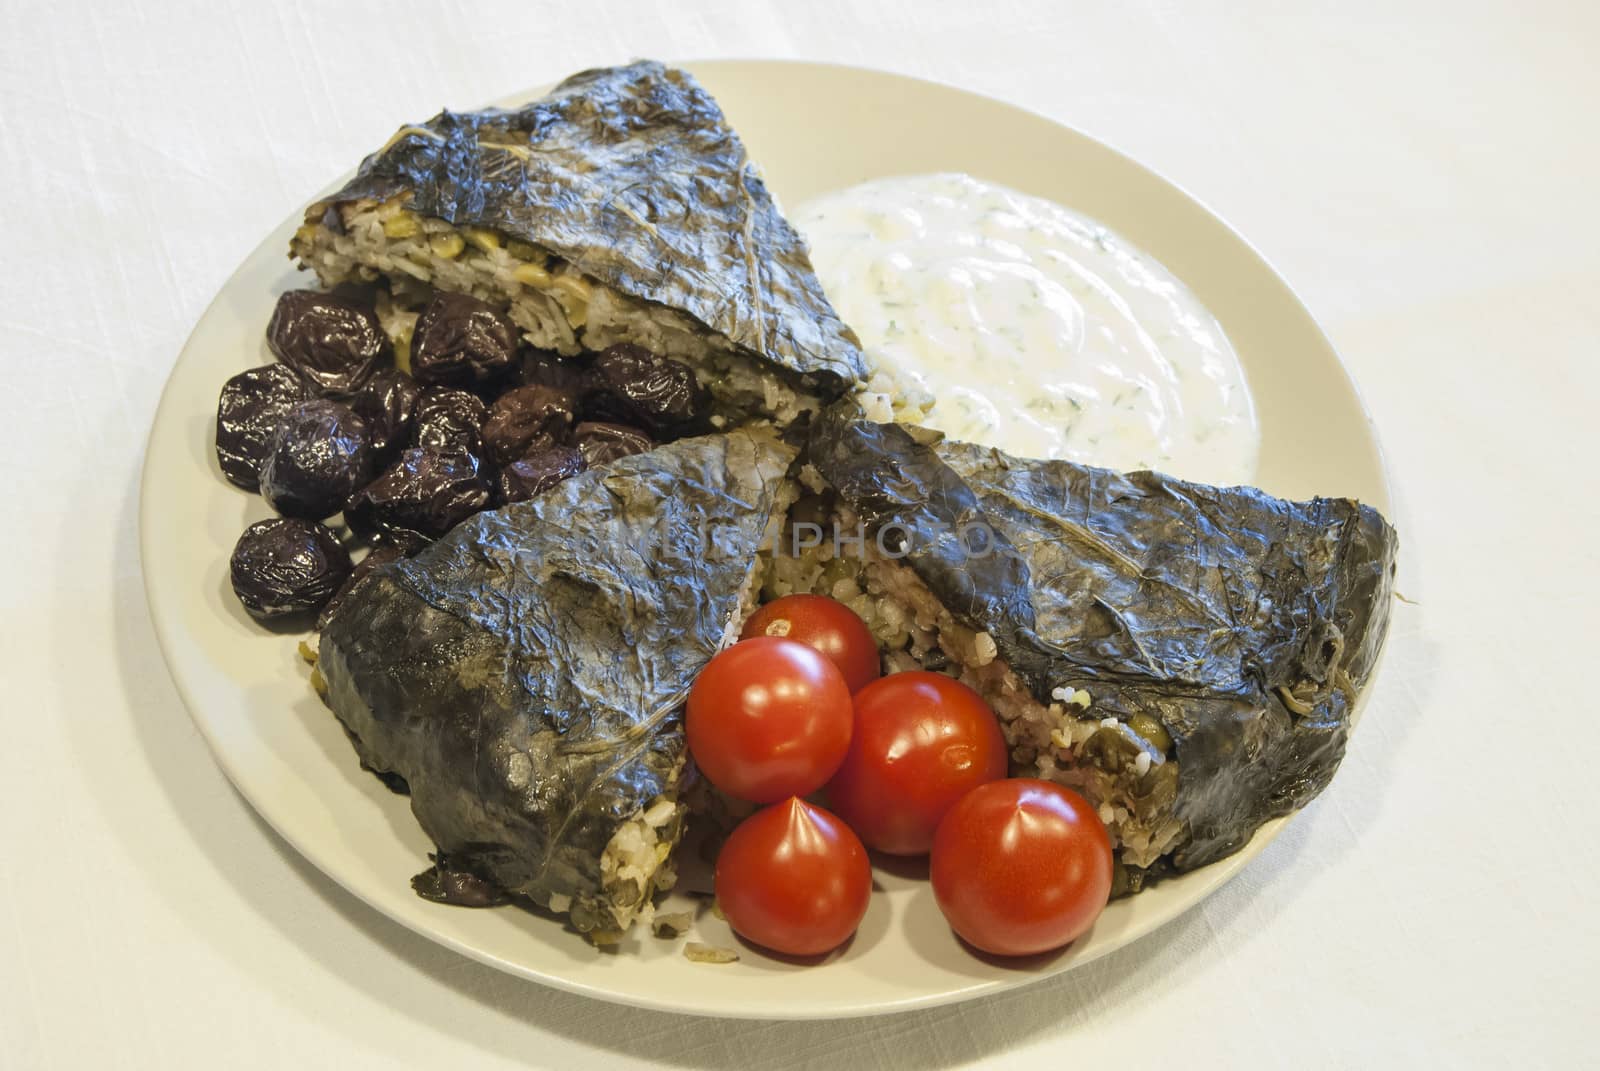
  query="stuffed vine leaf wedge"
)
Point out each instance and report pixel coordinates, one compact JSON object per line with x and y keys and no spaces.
{"x":620,"y":208}
{"x":1188,"y":656}
{"x":525,"y":675}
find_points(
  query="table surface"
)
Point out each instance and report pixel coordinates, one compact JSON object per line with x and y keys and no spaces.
{"x":1424,"y":174}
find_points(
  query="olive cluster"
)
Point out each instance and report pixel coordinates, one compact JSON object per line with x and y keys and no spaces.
{"x":471,"y":419}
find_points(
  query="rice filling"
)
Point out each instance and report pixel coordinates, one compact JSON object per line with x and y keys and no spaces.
{"x":1127,"y":770}
{"x":556,"y":306}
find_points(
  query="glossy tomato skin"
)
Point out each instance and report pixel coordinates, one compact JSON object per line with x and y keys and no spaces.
{"x":1021,"y":866}
{"x":793,"y":878}
{"x":768,"y":719}
{"x":825,"y":624}
{"x":921,"y":742}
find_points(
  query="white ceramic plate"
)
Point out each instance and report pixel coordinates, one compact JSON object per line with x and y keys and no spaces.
{"x":813,"y":128}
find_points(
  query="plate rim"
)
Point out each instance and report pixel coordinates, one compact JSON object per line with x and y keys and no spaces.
{"x":168,"y":630}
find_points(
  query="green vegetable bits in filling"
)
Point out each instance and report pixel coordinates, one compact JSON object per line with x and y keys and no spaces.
{"x":1127,"y":770}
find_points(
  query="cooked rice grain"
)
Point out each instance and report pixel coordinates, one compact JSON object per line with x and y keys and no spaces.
{"x":915,"y":631}
{"x":557,"y":306}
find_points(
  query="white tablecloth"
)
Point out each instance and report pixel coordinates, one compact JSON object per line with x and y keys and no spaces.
{"x":1425,"y":174}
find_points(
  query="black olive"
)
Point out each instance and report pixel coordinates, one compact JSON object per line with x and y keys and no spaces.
{"x":528,"y":417}
{"x":550,"y":369}
{"x":286,"y":566}
{"x":460,"y":341}
{"x":537,"y":473}
{"x":319,"y":457}
{"x":379,"y":555}
{"x":448,"y":419}
{"x":634,"y":386}
{"x":333,"y":340}
{"x":387,"y":402}
{"x":421,"y":496}
{"x":251,"y":407}
{"x":600,"y":442}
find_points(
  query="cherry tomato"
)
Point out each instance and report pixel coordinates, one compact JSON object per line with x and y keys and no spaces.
{"x":1021,"y":866}
{"x":769,"y":718}
{"x":921,"y":742}
{"x":794,"y":878}
{"x":826,"y":624}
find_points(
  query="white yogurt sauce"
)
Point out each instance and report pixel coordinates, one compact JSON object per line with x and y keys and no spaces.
{"x":1035,"y":329}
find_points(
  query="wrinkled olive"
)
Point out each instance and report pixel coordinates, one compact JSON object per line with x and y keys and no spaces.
{"x":537,"y":473}
{"x":249,"y":410}
{"x":319,"y":456}
{"x":387,"y":403}
{"x":449,"y":419}
{"x":601,"y":442}
{"x":460,"y":341}
{"x":379,"y":555}
{"x":421,"y":496}
{"x":333,"y":339}
{"x":634,"y":386}
{"x":550,"y":369}
{"x":286,"y":566}
{"x":528,"y":417}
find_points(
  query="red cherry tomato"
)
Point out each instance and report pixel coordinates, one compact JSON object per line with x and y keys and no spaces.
{"x":826,"y":624}
{"x":793,"y":878}
{"x":1021,"y":866}
{"x":768,"y":719}
{"x":921,"y":742}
